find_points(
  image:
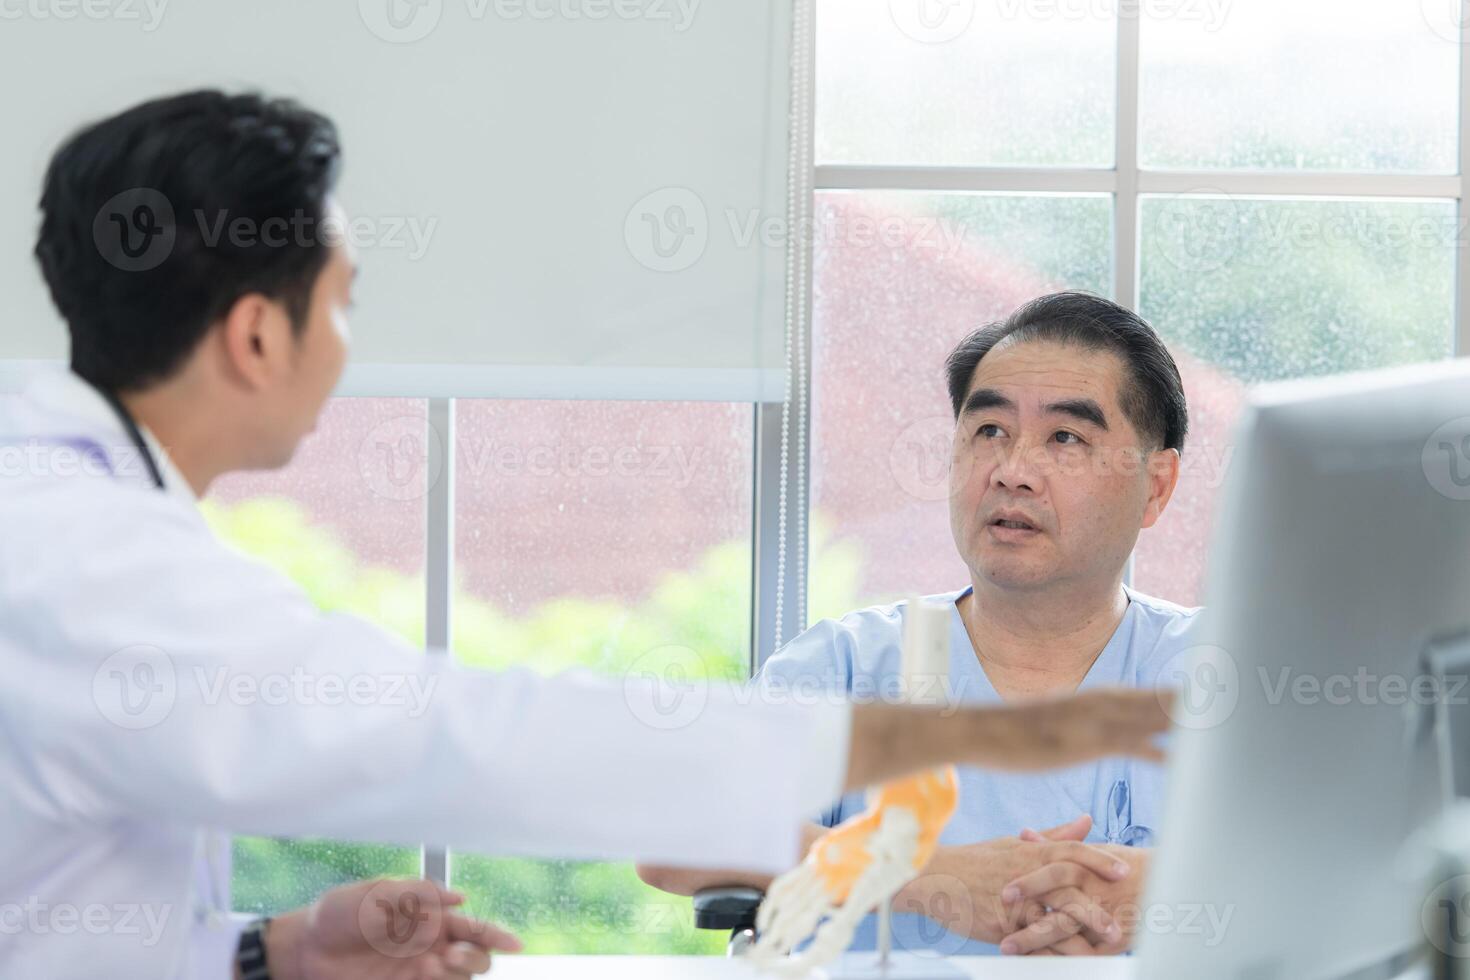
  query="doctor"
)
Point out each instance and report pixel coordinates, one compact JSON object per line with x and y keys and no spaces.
{"x":187,"y":244}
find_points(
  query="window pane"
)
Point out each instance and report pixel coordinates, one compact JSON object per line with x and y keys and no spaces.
{"x":886,"y":315}
{"x":1262,"y":290}
{"x":345,"y":520}
{"x":964,"y":83}
{"x":1355,"y":85}
{"x":590,"y":534}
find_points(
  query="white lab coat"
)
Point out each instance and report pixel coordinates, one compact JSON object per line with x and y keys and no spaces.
{"x":126,"y":756}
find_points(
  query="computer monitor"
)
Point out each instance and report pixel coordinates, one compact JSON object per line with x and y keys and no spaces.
{"x":1310,"y":731}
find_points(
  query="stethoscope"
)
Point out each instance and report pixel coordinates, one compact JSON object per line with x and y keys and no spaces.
{"x":213,"y":911}
{"x":134,"y":433}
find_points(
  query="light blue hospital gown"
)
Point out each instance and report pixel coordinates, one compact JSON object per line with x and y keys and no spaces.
{"x":859,"y":655}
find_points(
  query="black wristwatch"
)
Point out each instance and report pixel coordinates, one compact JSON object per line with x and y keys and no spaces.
{"x":250,"y":954}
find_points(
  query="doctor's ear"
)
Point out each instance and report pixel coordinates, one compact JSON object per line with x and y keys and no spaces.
{"x":258,"y":340}
{"x":1162,"y":467}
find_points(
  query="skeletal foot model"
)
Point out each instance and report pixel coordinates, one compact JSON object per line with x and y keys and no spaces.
{"x":852,"y":870}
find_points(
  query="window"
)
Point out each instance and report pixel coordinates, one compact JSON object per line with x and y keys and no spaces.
{"x":594,"y":535}
{"x":345,"y":520}
{"x":587,"y":535}
{"x":1263,"y":181}
{"x":1260,"y":289}
{"x":962,"y":84}
{"x":1310,"y":85}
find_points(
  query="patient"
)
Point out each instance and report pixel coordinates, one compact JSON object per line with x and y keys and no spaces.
{"x":1070,"y":421}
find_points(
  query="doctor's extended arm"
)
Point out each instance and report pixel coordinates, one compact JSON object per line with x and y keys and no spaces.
{"x":166,"y":677}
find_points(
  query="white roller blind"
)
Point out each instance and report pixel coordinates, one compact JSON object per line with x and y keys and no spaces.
{"x":550,"y":197}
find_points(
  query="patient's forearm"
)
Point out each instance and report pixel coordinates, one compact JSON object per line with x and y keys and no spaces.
{"x":687,"y":881}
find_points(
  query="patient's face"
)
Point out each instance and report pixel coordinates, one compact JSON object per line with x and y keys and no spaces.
{"x":1048,"y":484}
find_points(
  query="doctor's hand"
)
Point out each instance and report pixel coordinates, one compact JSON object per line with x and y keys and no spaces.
{"x":1055,"y":904}
{"x":961,"y":887}
{"x":386,"y":929}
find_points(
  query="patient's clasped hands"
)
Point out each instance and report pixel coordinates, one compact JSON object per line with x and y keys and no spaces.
{"x":1044,"y":893}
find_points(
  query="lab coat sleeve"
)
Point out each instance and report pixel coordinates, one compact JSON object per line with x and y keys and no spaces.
{"x":164,"y":677}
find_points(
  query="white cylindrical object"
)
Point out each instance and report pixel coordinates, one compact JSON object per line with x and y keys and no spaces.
{"x":925,"y":661}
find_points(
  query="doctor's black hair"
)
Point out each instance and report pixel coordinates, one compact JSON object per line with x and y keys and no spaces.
{"x":136,"y":210}
{"x":1153,"y":395}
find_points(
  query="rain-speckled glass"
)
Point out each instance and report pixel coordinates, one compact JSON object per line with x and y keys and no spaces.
{"x":965,"y":83}
{"x":1329,"y":85}
{"x":1251,"y":290}
{"x":345,"y":521}
{"x":614,"y":537}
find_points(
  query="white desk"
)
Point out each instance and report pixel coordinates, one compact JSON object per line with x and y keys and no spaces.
{"x":718,"y":968}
